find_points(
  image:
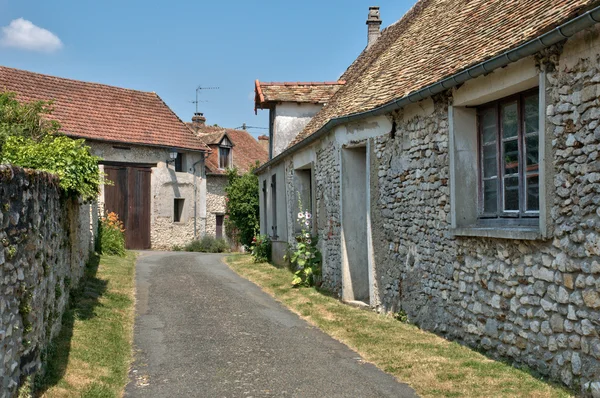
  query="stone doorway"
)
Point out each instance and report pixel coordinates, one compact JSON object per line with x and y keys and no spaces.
{"x":355,"y":231}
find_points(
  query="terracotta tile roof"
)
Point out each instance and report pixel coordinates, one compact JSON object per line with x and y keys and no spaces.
{"x":246,"y":150}
{"x":434,"y":40}
{"x":310,"y":92}
{"x":100,"y":112}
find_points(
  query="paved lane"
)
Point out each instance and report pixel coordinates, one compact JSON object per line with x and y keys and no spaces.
{"x":202,"y":331}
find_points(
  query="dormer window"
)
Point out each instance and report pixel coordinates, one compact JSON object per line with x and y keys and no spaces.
{"x":225,"y":154}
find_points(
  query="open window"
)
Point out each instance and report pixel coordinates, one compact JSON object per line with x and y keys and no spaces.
{"x":179,"y":162}
{"x":178,"y":209}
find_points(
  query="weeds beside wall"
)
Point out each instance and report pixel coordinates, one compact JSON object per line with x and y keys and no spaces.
{"x":46,"y":240}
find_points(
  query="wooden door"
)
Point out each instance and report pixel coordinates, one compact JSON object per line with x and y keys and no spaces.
{"x":219,"y":229}
{"x":129,"y":197}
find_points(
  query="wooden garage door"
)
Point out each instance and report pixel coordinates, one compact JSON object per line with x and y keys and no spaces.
{"x":129,"y":197}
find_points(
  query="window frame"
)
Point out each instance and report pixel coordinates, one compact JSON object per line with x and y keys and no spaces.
{"x":227,"y":163}
{"x":178,"y":162}
{"x":178,"y":208}
{"x":521,"y":216}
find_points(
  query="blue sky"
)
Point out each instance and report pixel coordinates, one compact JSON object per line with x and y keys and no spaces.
{"x":171,"y":47}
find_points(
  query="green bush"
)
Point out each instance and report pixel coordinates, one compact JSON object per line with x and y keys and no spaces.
{"x":29,"y":138}
{"x":207,"y":244}
{"x":261,"y":248}
{"x":242,"y":206}
{"x":111,"y":236}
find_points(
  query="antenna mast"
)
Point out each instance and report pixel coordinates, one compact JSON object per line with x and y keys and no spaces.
{"x":198,"y":93}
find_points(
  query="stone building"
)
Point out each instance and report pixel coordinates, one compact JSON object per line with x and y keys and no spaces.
{"x":291,"y":106}
{"x":455,"y":176}
{"x":155,"y":162}
{"x":229,"y":148}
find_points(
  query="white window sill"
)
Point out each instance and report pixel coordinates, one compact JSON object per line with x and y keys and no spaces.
{"x":501,"y":232}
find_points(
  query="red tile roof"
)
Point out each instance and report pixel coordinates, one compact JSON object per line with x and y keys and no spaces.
{"x":100,"y":112}
{"x":246,"y":150}
{"x":309,"y":92}
{"x":434,"y":40}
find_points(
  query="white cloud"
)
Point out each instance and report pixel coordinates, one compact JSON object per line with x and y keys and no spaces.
{"x":21,"y":33}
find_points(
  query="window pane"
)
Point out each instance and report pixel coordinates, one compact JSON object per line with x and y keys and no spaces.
{"x":490,"y":196}
{"x":489,"y":161}
{"x":511,"y":157}
{"x":511,"y":193}
{"x":532,"y":114}
{"x":533,"y":193}
{"x":532,"y":152}
{"x":509,"y":120}
{"x":488,"y":125}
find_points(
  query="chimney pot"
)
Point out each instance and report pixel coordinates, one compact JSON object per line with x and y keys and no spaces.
{"x":373,"y":25}
{"x":198,"y":120}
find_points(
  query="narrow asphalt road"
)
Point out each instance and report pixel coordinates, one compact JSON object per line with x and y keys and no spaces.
{"x":202,"y":331}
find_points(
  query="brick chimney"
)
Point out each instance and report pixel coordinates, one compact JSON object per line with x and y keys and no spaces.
{"x":198,"y":120}
{"x":263,"y":140}
{"x":373,"y":25}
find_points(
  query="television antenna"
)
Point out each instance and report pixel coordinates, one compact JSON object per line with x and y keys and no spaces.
{"x":245,"y":127}
{"x":198,"y":89}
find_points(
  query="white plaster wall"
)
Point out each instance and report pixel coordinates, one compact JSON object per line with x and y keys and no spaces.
{"x":290,"y":120}
{"x":166,"y":185}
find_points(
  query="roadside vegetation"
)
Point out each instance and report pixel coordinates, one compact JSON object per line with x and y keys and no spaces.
{"x":242,"y":209}
{"x":91,"y":355}
{"x":30,"y":138}
{"x":207,"y":244}
{"x":433,"y":366}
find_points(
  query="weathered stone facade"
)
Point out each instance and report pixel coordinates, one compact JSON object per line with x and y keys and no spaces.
{"x":215,"y":201}
{"x":166,"y":185}
{"x":536,"y":302}
{"x":46,"y":241}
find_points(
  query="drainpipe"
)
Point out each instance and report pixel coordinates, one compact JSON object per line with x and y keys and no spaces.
{"x":196,"y":194}
{"x":531,"y":47}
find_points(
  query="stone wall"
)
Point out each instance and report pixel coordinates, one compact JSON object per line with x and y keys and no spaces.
{"x":46,"y":241}
{"x":215,"y":201}
{"x":535,"y":302}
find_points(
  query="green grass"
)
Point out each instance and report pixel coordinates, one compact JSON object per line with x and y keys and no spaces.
{"x":433,"y":366}
{"x":91,"y":355}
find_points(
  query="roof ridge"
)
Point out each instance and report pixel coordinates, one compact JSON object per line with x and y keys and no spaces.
{"x":75,"y":80}
{"x":326,"y":83}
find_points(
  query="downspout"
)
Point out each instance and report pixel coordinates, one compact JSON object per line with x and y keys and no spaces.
{"x":196,"y":194}
{"x":558,"y":34}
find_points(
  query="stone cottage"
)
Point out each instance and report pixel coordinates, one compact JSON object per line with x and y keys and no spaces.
{"x":291,"y":106}
{"x":229,"y":148}
{"x":155,"y":162}
{"x":455,"y":176}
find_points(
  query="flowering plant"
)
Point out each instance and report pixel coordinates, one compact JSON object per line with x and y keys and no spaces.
{"x":306,"y":257}
{"x":111,"y":236}
{"x":260,"y":248}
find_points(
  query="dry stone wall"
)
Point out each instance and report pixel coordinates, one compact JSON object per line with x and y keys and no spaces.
{"x":45,"y":243}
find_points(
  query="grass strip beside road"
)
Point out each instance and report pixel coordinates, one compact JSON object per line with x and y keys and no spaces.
{"x":433,"y":366}
{"x":92,"y":354}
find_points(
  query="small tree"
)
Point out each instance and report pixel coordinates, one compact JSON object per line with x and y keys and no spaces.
{"x":242,"y":205}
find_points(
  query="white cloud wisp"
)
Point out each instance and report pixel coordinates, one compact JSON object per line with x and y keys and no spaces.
{"x":23,"y":34}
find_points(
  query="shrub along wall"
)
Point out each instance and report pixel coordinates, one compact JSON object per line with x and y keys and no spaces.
{"x":45,"y":241}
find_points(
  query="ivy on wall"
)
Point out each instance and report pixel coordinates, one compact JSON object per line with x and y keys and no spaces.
{"x":30,"y":139}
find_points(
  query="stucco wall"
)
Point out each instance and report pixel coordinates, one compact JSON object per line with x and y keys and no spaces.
{"x":46,"y":241}
{"x":166,"y":185}
{"x":290,"y":119}
{"x":215,"y":201}
{"x":534,"y":301}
